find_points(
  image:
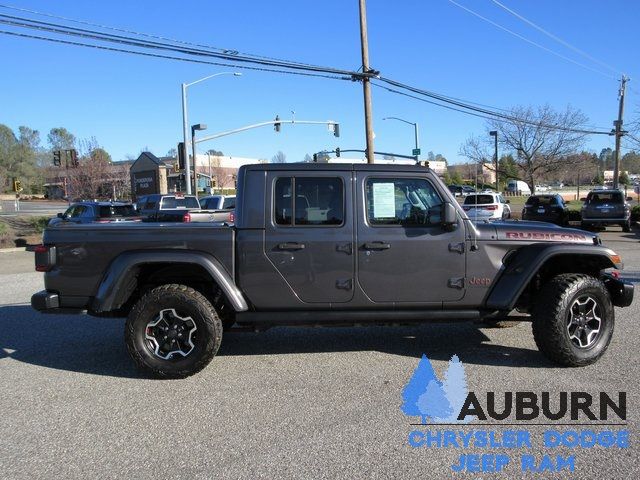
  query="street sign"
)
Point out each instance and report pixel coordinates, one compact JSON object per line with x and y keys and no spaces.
{"x":415,"y":152}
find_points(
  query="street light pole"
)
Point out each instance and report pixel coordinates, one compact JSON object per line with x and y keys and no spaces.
{"x":415,"y":130}
{"x":494,"y":133}
{"x":198,"y":126}
{"x":185,"y":123}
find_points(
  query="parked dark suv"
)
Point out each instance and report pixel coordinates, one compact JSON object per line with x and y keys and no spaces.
{"x":606,"y":207}
{"x":101,"y":212}
{"x":546,"y":208}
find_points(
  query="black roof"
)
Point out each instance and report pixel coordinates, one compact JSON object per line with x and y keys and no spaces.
{"x":340,"y":167}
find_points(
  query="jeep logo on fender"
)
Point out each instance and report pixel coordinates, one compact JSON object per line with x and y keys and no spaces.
{"x":479,"y":282}
{"x":554,"y":237}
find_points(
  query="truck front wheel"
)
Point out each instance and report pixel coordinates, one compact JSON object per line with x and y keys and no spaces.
{"x":573,"y":320}
{"x":173,"y":332}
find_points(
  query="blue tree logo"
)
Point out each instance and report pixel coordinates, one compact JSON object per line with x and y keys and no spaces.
{"x":432,"y":400}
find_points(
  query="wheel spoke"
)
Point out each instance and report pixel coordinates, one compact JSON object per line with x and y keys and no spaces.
{"x":169,"y":334}
{"x":584,"y":323}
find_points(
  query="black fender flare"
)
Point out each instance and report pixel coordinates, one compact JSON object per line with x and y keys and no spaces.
{"x":120,"y":276}
{"x":527,"y":261}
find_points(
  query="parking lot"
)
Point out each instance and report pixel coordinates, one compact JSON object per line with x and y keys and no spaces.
{"x":286,"y":403}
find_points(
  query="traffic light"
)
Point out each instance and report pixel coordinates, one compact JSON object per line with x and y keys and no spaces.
{"x":74,"y":157}
{"x":181,"y":156}
{"x":315,"y":157}
{"x":277,"y":125}
{"x":338,"y":152}
{"x":336,"y":129}
{"x":17,"y":185}
{"x":56,"y":158}
{"x":176,"y":167}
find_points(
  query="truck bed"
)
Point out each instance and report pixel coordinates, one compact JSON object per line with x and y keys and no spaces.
{"x":85,"y":252}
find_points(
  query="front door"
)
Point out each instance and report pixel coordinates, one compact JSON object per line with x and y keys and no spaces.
{"x":404,"y":253}
{"x":309,"y":237}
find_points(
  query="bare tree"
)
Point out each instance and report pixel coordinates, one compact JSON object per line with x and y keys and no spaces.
{"x":541,"y":139}
{"x":279,"y":158}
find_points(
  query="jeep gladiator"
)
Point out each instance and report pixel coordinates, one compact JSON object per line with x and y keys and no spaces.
{"x":321,"y":244}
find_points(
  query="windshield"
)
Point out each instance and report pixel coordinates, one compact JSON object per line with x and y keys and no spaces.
{"x":479,"y":199}
{"x":117,"y":211}
{"x":604,"y":197}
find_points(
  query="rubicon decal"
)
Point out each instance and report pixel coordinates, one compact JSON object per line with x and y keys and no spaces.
{"x":549,"y":236}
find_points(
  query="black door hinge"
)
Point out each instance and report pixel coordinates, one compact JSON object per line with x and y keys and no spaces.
{"x":457,"y":282}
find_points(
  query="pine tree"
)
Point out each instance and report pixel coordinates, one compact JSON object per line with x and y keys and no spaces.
{"x":433,"y":403}
{"x":455,"y":386}
{"x":417,"y":385}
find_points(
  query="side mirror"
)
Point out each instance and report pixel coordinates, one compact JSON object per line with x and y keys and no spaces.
{"x":449,"y":214}
{"x":61,"y":215}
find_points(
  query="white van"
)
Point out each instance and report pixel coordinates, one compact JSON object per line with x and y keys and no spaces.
{"x":518,"y":187}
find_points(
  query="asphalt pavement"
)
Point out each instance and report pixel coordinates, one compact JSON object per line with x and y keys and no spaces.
{"x":44,"y":208}
{"x":286,"y":403}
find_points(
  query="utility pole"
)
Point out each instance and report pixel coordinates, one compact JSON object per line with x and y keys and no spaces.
{"x":618,"y":132}
{"x":366,"y":86}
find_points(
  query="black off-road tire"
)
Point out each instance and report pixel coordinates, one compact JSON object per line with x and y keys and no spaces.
{"x":186,"y":302}
{"x":551,"y":315}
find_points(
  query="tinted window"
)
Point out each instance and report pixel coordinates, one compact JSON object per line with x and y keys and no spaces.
{"x":317,"y":201}
{"x":402,"y":201}
{"x":168,"y":203}
{"x":78,"y":210}
{"x":604,"y":197}
{"x":479,"y":199}
{"x":116,"y":211}
{"x":229,"y":203}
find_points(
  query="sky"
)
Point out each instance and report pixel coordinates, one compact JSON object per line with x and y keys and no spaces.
{"x":131,"y":103}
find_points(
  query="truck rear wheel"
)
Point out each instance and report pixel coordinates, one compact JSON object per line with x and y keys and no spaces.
{"x":573,"y":320}
{"x":173,"y":332}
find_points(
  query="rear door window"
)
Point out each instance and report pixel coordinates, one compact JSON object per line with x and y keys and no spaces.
{"x":308,"y":201}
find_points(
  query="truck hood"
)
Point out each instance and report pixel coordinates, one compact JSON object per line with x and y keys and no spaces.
{"x":534,"y":232}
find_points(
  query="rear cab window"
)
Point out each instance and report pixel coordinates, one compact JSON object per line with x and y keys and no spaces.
{"x":318,"y":201}
{"x":479,"y":200}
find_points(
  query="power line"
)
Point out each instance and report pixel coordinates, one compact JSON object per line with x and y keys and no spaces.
{"x":100,"y":36}
{"x":556,"y":38}
{"x":511,"y":32}
{"x":141,"y":34}
{"x":168,"y":57}
{"x":488,"y":112}
{"x":299,"y":69}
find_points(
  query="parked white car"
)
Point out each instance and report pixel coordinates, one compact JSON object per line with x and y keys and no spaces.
{"x":541,"y":188}
{"x":487,"y":206}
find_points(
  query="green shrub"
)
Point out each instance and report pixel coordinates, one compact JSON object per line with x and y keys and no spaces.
{"x":39,"y":223}
{"x":4,"y":229}
{"x":635,"y":213}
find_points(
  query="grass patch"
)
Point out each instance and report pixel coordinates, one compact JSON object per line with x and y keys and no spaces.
{"x":4,"y":229}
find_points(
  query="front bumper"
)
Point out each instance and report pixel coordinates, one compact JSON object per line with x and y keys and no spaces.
{"x":621,"y":292}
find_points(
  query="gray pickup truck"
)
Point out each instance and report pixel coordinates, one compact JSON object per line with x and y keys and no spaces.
{"x":177,"y":207}
{"x":320,"y":244}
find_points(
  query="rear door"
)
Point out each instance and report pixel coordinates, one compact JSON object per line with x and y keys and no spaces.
{"x":404,"y":253}
{"x":309,"y":234}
